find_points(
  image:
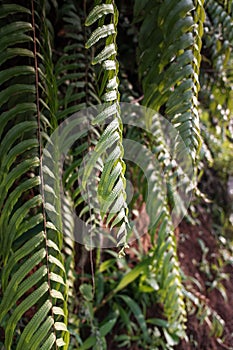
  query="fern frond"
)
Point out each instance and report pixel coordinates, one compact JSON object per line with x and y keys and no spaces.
{"x":111,"y":188}
{"x":164,"y":262}
{"x":98,"y":12}
{"x":169,"y":69}
{"x":217,"y":62}
{"x":74,"y":77}
{"x":32,"y":268}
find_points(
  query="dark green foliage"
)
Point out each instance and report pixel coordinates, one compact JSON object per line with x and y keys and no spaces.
{"x":57,"y":58}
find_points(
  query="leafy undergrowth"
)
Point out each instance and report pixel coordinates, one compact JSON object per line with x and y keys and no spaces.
{"x":206,"y":263}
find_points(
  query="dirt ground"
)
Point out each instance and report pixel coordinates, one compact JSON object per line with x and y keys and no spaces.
{"x":206,"y":269}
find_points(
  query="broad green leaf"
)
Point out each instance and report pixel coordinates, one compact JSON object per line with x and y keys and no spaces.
{"x":107,"y":326}
{"x":103,"y":330}
{"x":137,"y":314}
{"x":132,"y":275}
{"x":86,"y":291}
{"x":158,"y":322}
{"x":106,"y":264}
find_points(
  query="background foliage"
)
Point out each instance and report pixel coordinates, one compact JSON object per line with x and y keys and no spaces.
{"x":58,"y":57}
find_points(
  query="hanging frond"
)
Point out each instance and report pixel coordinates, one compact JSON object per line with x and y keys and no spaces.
{"x":164,"y":261}
{"x":112,"y":184}
{"x":77,"y":90}
{"x":56,"y":61}
{"x":166,"y":268}
{"x":75,"y":80}
{"x":216,"y":70}
{"x":169,"y":68}
{"x":33,"y":275}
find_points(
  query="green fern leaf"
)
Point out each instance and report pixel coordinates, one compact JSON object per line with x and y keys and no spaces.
{"x":41,"y":334}
{"x":98,"y":12}
{"x":100,"y":33}
{"x":7,"y":9}
{"x":21,"y":309}
{"x":111,"y":138}
{"x":106,"y":53}
{"x":38,"y":318}
{"x":49,"y":342}
{"x":23,"y":236}
{"x":165,"y":84}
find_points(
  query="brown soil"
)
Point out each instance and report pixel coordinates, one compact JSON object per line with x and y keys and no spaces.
{"x":196,"y":265}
